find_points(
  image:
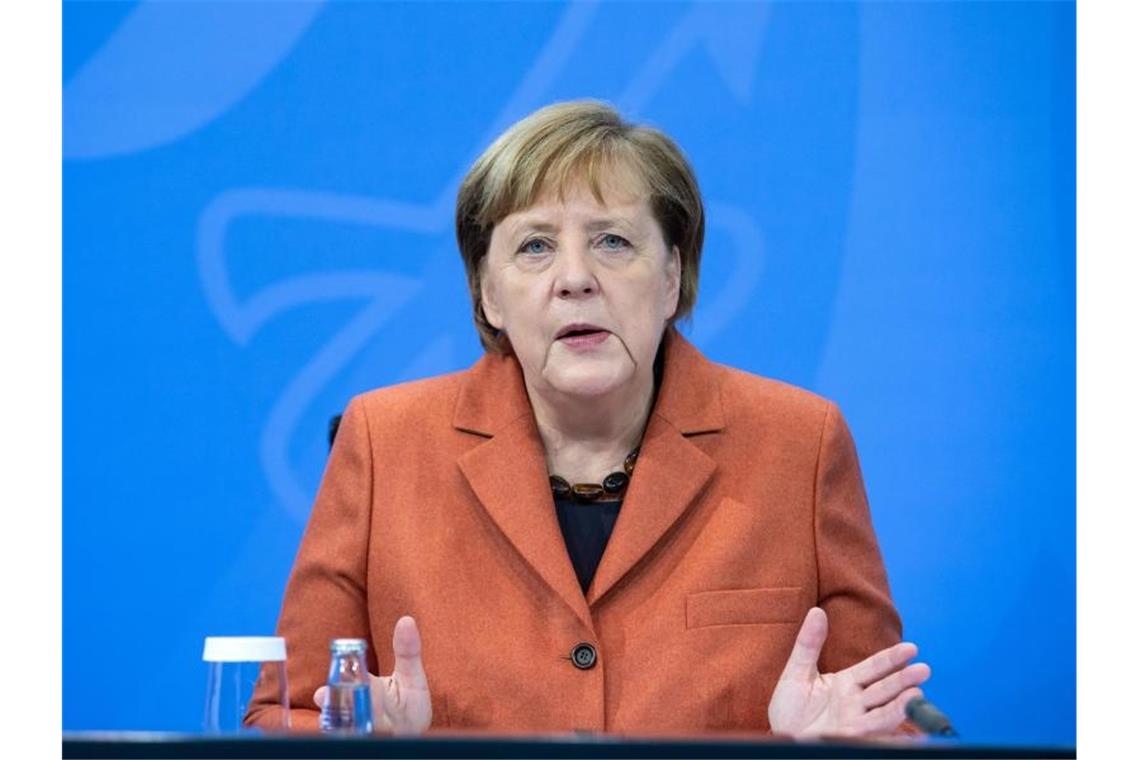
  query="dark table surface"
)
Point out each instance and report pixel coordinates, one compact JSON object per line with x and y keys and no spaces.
{"x":443,"y":745}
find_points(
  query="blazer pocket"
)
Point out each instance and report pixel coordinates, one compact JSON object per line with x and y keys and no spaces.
{"x":746,"y":606}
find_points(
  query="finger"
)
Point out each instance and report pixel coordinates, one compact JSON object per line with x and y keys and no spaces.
{"x":886,"y":689}
{"x":885,"y":719}
{"x":320,"y":695}
{"x":881,"y":663}
{"x":804,"y":659}
{"x":382,"y":703}
{"x":406,"y":645}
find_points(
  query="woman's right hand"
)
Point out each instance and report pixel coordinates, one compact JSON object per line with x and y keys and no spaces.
{"x":401,"y":702}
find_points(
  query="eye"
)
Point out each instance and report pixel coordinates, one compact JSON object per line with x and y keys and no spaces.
{"x":534,"y":246}
{"x":612,"y":242}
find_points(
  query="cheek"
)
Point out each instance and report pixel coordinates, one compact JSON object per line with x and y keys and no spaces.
{"x":645,"y":311}
{"x":522,"y":313}
{"x":658,"y":298}
{"x":519,"y":303}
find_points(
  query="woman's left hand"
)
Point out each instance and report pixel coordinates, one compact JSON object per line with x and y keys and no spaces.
{"x":867,"y":698}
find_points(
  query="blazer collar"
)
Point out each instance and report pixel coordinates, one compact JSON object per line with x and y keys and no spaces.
{"x":494,"y":395}
{"x":507,"y":473}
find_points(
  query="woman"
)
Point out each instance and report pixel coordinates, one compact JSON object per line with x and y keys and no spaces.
{"x":594,"y":527}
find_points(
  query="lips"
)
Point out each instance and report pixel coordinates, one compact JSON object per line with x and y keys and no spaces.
{"x":578,"y":330}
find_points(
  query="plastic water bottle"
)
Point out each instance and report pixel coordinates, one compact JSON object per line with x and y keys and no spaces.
{"x":348,"y":708}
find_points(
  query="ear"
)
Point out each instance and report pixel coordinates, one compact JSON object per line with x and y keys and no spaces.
{"x":489,"y":297}
{"x":673,"y":278}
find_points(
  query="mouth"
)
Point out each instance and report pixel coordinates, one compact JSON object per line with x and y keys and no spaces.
{"x":582,"y":337}
{"x":580,"y":330}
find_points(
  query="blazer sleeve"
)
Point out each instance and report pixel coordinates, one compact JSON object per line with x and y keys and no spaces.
{"x":853,"y":588}
{"x":326,"y":595}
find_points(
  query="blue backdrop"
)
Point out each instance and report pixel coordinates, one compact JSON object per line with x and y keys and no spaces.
{"x":257,"y":226}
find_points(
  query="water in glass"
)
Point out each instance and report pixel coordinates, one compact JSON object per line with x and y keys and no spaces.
{"x":348,"y":705}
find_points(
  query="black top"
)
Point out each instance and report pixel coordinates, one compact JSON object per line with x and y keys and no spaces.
{"x":586,"y":528}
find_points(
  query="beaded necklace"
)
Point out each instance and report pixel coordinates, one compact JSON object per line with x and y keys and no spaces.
{"x":613,"y":485}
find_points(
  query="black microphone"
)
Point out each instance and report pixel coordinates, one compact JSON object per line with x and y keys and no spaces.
{"x":929,"y":718}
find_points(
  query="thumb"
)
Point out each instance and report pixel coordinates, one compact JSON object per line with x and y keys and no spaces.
{"x":320,"y":696}
{"x":803,"y":664}
{"x":406,"y":645}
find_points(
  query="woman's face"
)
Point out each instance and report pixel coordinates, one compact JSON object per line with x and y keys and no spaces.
{"x":582,"y":290}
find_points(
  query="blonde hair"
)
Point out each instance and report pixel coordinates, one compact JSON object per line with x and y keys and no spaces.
{"x":564,"y":143}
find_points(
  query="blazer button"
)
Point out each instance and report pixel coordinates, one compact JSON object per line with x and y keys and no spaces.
{"x":584,"y":656}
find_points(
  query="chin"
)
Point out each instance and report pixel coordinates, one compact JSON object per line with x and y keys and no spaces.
{"x":588,"y":381}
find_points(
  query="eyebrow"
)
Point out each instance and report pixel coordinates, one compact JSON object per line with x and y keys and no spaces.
{"x":523,"y":225}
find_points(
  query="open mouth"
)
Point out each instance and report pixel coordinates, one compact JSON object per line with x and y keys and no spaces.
{"x":582,"y":335}
{"x":580,"y":331}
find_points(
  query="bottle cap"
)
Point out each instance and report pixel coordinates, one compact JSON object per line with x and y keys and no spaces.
{"x":244,"y":649}
{"x":340,"y":646}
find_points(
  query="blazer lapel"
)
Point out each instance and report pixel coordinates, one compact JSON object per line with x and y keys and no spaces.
{"x":508,"y":471}
{"x":671,"y":470}
{"x":670,"y":473}
{"x":508,"y":474}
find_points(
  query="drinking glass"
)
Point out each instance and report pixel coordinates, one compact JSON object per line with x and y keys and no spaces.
{"x":234,"y":666}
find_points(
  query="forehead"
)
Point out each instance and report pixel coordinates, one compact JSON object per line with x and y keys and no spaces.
{"x":616,"y":199}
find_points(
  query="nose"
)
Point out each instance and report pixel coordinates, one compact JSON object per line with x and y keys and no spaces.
{"x":574,"y":276}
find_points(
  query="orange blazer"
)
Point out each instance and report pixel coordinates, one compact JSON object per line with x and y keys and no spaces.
{"x":746,"y":508}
